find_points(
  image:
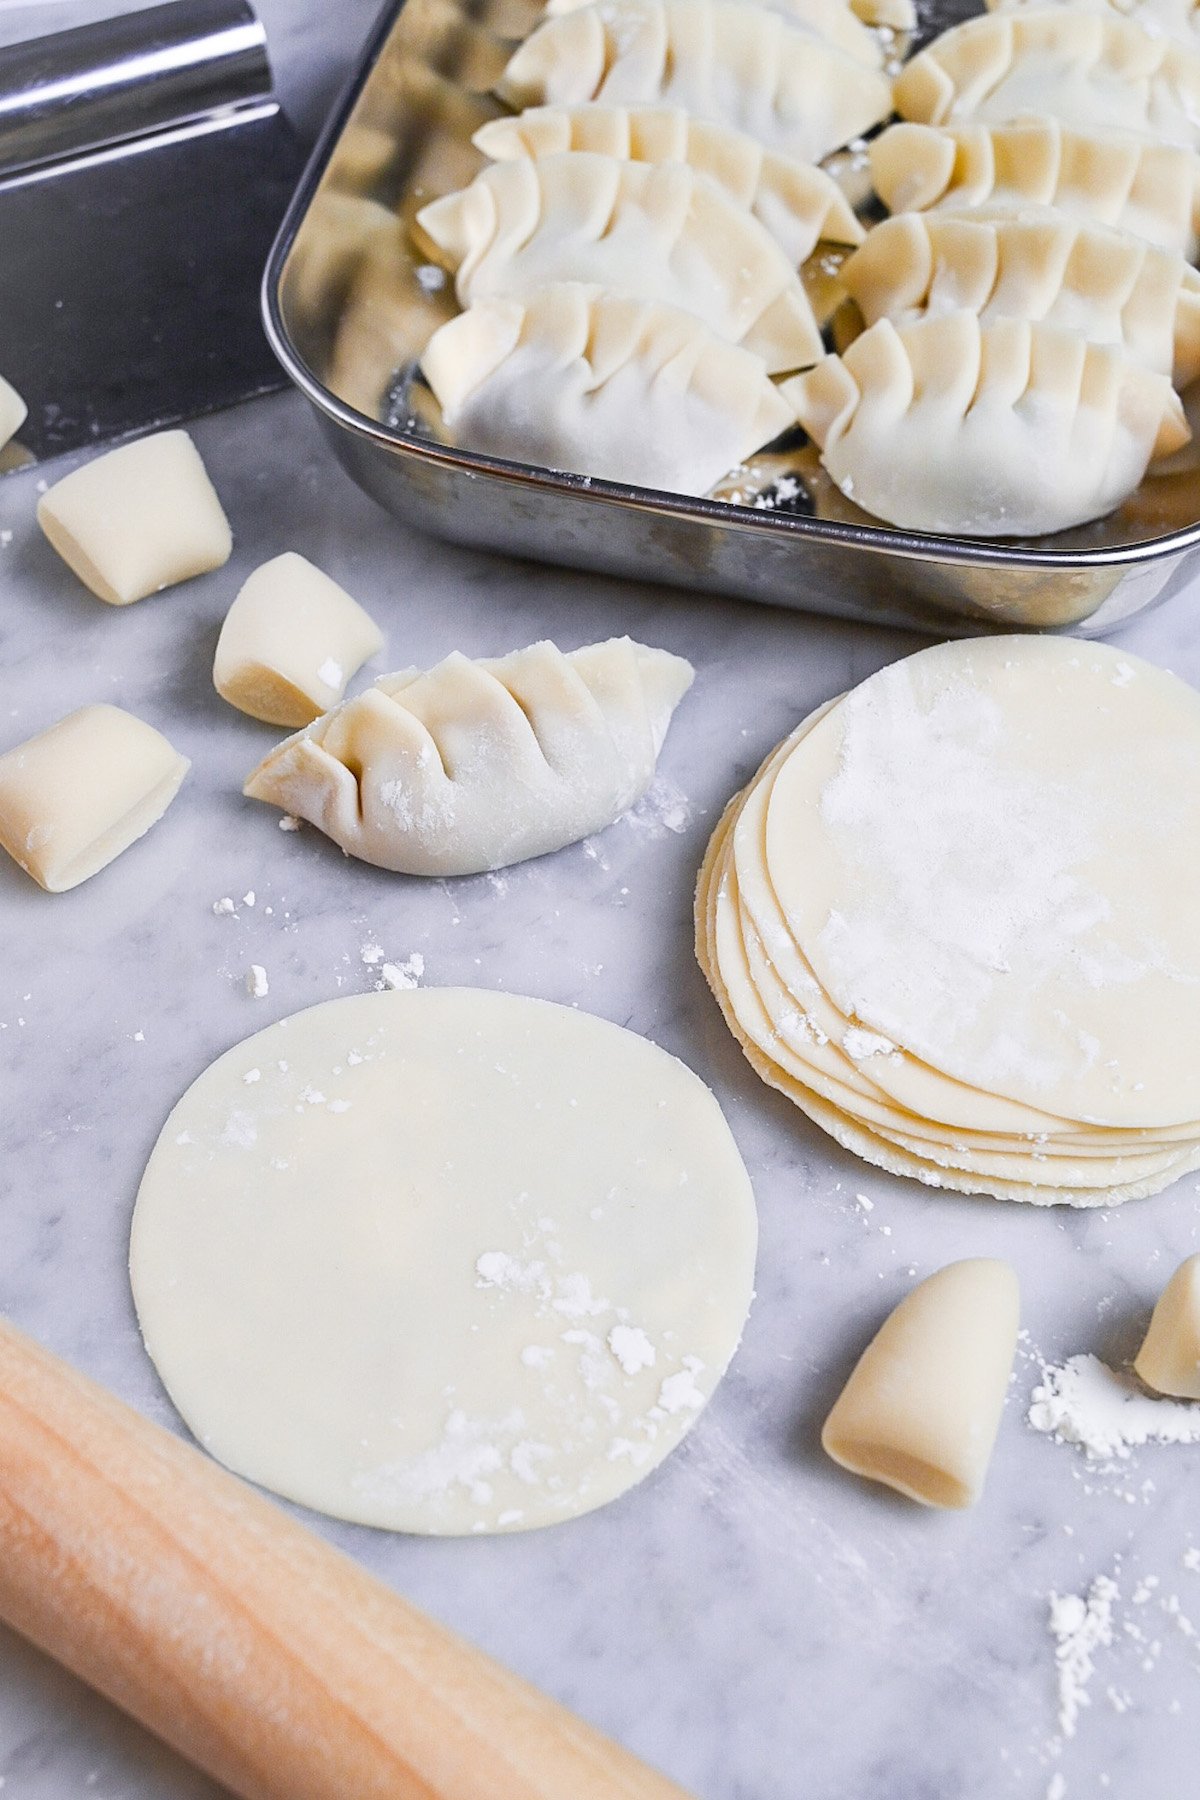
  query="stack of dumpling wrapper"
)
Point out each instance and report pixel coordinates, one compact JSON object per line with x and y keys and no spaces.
{"x":954,"y":919}
{"x":636,"y":260}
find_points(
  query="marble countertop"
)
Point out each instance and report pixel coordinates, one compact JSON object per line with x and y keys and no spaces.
{"x":751,"y":1619}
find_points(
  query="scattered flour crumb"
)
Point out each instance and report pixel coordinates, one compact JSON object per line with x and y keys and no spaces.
{"x":1104,"y":1413}
{"x":679,"y":1392}
{"x":1080,"y":1624}
{"x":496,"y":1268}
{"x":223,"y":907}
{"x":248,"y":898}
{"x":256,"y":982}
{"x":402,"y":975}
{"x":861,"y":1044}
{"x":632,"y":1348}
{"x":252,"y":1075}
{"x":537,"y":1356}
{"x":288,"y":823}
{"x":372,"y":953}
{"x":331,"y":673}
{"x":1057,"y":1788}
{"x":431,"y":278}
{"x":1191,"y":1560}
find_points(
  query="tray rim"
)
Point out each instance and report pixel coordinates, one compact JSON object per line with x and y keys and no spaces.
{"x":881,"y":539}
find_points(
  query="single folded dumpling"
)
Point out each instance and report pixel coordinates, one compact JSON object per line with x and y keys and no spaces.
{"x":475,"y":765}
{"x":799,"y":204}
{"x":628,"y":390}
{"x":1039,"y":265}
{"x":722,"y":60}
{"x":831,"y":20}
{"x":1005,"y":430}
{"x":1091,"y":172}
{"x":656,"y":231}
{"x":1176,"y":18}
{"x":1085,"y":68}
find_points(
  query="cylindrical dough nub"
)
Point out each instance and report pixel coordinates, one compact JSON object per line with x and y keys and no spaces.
{"x":75,"y":796}
{"x":290,"y":642}
{"x":138,"y":519}
{"x":13,"y":412}
{"x":921,"y":1410}
{"x":1169,"y":1360}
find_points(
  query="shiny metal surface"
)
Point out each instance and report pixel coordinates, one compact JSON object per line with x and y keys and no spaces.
{"x":349,"y":308}
{"x":144,"y":168}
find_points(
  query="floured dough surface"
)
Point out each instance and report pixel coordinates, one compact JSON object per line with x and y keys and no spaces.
{"x":444,"y":1261}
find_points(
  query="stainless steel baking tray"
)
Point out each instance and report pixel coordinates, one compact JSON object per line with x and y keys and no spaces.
{"x":349,"y":308}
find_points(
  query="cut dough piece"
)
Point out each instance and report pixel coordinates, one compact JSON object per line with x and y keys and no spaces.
{"x":1169,"y":1360}
{"x":475,"y":765}
{"x":922,"y":1408}
{"x":455,"y":1261}
{"x":833,"y":21}
{"x":799,"y":204}
{"x":1116,"y":178}
{"x":627,"y":390}
{"x":290,"y":642}
{"x":1004,"y":430}
{"x":653,"y":231}
{"x":1085,"y":68}
{"x":75,"y":796}
{"x":1177,"y":18}
{"x":13,"y":412}
{"x":721,"y":60}
{"x":1037,"y":264}
{"x":138,"y":519}
{"x":970,"y":879}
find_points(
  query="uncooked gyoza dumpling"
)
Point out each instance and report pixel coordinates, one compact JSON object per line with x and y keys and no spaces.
{"x":628,"y":390}
{"x":474,"y":765}
{"x":723,"y":60}
{"x":1008,"y":430}
{"x":831,"y":20}
{"x":797,"y":202}
{"x":1177,"y":18}
{"x":1091,"y":172}
{"x":1038,"y":264}
{"x":1086,"y":68}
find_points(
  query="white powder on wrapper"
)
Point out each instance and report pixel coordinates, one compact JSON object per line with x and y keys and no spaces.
{"x":1104,"y":1413}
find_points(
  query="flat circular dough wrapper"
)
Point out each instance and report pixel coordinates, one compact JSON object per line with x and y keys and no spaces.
{"x":444,"y":1260}
{"x":988,"y":853}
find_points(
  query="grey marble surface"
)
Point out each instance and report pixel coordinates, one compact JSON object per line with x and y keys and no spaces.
{"x":751,"y":1619}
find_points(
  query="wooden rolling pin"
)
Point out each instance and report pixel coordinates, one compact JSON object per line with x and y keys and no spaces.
{"x":263,"y":1655}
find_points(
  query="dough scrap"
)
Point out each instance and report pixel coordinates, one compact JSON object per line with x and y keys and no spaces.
{"x":475,"y":765}
{"x":1010,"y":429}
{"x":138,"y":519}
{"x":76,"y":795}
{"x":1089,"y":172}
{"x":1083,"y":67}
{"x":653,"y":231}
{"x":1036,"y":264}
{"x":799,"y":204}
{"x":556,"y":379}
{"x":721,"y":60}
{"x":13,"y":412}
{"x":454,"y":1261}
{"x":290,"y":642}
{"x":1169,"y":1359}
{"x":922,"y":1408}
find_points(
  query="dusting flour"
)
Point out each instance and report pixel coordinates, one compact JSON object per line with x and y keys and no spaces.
{"x":1104,"y":1413}
{"x":1080,"y":1624}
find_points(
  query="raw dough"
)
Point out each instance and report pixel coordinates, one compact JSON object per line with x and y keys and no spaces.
{"x":799,"y":204}
{"x":653,"y":231}
{"x":1069,"y":1090}
{"x":290,"y":642}
{"x":625,"y":390}
{"x":1004,"y":430}
{"x":1169,"y":1360}
{"x":721,"y":60}
{"x":444,"y":1260}
{"x":13,"y":412}
{"x":75,"y":796}
{"x":138,"y":519}
{"x":922,"y":1408}
{"x":475,"y":765}
{"x":1089,"y":172}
